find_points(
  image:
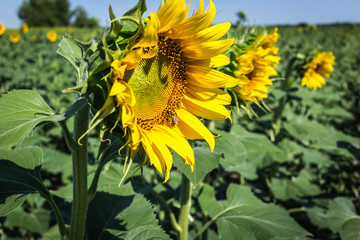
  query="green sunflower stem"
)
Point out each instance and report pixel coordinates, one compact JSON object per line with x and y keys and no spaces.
{"x":80,"y":193}
{"x":283,"y":100}
{"x":185,"y":204}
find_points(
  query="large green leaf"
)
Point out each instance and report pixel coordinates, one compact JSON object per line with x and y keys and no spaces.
{"x":243,"y":216}
{"x":19,"y":176}
{"x":20,"y":112}
{"x":115,"y":211}
{"x":350,"y":230}
{"x":340,"y":210}
{"x":205,"y":162}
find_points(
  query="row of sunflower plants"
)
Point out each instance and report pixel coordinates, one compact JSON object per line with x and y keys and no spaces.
{"x":152,"y":151}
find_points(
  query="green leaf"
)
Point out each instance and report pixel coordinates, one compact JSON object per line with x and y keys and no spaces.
{"x":340,"y":210}
{"x":243,"y":216}
{"x":244,"y":152}
{"x":147,"y":232}
{"x":205,"y":162}
{"x":69,"y":50}
{"x":114,"y":211}
{"x":57,"y":162}
{"x":77,"y":106}
{"x":317,"y":216}
{"x":137,"y":10}
{"x":37,"y":220}
{"x":20,"y":112}
{"x":73,"y":53}
{"x":19,"y":176}
{"x":317,"y":135}
{"x":295,"y":187}
{"x":350,"y":230}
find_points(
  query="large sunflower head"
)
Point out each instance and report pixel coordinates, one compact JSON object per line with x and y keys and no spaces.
{"x":255,"y":64}
{"x":165,"y":80}
{"x":319,"y":67}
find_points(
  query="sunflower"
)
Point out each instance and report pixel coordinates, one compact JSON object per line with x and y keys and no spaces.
{"x":2,"y":29}
{"x":51,"y":36}
{"x":24,"y":27}
{"x":320,"y":66}
{"x":14,"y":37}
{"x":254,"y":67}
{"x":166,"y":79}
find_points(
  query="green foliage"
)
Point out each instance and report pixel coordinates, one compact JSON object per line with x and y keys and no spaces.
{"x":19,"y":176}
{"x":50,"y":13}
{"x":255,"y":185}
{"x":243,"y":216}
{"x":45,"y":12}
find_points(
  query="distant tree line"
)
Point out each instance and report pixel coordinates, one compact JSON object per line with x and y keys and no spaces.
{"x":50,"y":13}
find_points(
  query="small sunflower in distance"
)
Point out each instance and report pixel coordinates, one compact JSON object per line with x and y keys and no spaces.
{"x":165,"y":80}
{"x":51,"y":36}
{"x":254,"y":68}
{"x":2,"y":29}
{"x":25,"y":28}
{"x":320,"y":66}
{"x":14,"y":37}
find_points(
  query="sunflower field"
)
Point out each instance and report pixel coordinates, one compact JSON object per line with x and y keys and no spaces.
{"x":169,"y":127}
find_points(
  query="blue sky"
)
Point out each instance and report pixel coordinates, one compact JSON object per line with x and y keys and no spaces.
{"x":262,"y":12}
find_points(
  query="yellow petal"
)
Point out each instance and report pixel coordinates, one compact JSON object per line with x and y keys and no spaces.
{"x":149,"y":149}
{"x":205,"y":94}
{"x":194,"y":24}
{"x":174,"y":139}
{"x":150,"y":36}
{"x":133,"y":58}
{"x":209,"y":78}
{"x":217,"y":61}
{"x":206,"y":109}
{"x":207,"y":49}
{"x":192,"y":128}
{"x":212,"y":33}
{"x":171,"y":14}
{"x":117,"y":87}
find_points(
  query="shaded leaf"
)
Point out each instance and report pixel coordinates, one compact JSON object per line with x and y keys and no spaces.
{"x":19,"y":176}
{"x":37,"y":220}
{"x":114,"y":211}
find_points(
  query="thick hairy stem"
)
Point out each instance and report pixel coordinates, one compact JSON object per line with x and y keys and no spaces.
{"x":185,"y":203}
{"x":80,"y":192}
